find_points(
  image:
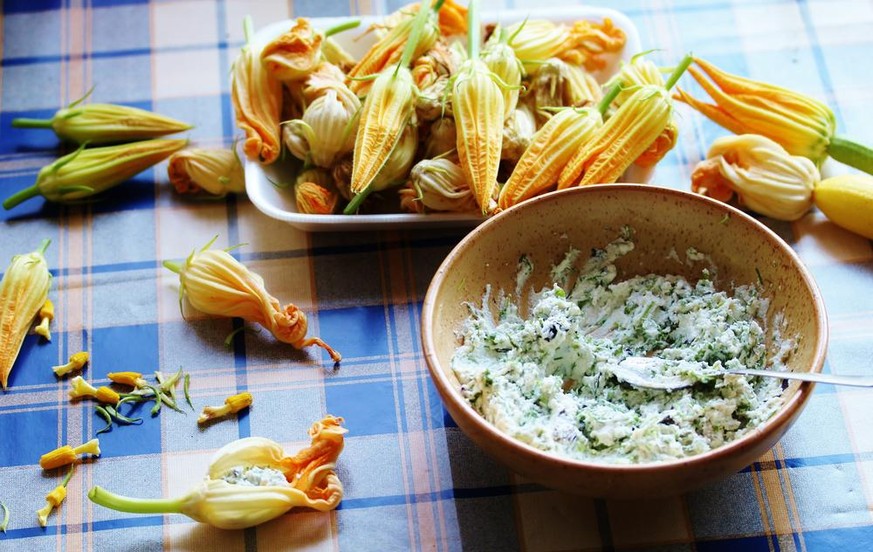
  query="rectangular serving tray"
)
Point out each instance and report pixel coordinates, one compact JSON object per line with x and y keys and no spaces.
{"x":278,"y":203}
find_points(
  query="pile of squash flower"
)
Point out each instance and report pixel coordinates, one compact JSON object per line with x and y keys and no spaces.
{"x":440,"y":116}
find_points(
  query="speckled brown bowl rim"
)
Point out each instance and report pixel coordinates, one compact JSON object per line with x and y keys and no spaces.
{"x":783,"y":416}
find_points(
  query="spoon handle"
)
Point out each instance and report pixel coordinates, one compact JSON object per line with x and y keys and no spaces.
{"x":857,"y":381}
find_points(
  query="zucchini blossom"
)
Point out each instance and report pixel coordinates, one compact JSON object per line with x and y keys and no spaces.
{"x":217,"y":171}
{"x":105,"y":123}
{"x":767,"y":179}
{"x":251,"y":481}
{"x":314,"y":199}
{"x":389,"y":50}
{"x":257,"y":103}
{"x":328,"y":127}
{"x":23,"y":291}
{"x":216,"y":283}
{"x":437,"y":185}
{"x":295,"y":53}
{"x":800,"y":124}
{"x":87,"y":172}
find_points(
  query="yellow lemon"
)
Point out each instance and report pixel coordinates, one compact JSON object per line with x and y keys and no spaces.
{"x":848,"y":202}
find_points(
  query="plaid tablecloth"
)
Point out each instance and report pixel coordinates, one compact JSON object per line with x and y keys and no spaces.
{"x":412,"y":479}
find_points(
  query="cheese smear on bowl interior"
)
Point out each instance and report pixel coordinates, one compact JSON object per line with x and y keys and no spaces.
{"x":545,"y":378}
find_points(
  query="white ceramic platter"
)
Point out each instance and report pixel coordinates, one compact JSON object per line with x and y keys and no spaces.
{"x":278,"y":203}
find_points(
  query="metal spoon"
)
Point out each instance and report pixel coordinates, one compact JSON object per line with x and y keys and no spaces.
{"x":645,"y":372}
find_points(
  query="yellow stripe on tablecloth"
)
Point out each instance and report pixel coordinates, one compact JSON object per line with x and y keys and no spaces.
{"x":760,"y":494}
{"x":415,"y":464}
{"x":788,"y":492}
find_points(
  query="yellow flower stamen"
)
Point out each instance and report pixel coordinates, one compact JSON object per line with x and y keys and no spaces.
{"x":81,"y":388}
{"x":133,"y":379}
{"x":232,"y":405}
{"x":53,"y":499}
{"x":46,"y":315}
{"x":66,"y":454}
{"x":77,"y":362}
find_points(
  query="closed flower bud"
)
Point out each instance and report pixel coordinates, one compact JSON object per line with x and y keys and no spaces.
{"x":440,"y":61}
{"x":341,"y":173}
{"x":400,"y":161}
{"x":296,"y":135}
{"x":251,"y":481}
{"x":437,"y":185}
{"x":535,"y":40}
{"x":216,"y":283}
{"x":105,"y":123}
{"x":441,"y":138}
{"x":767,"y":179}
{"x":327,"y":76}
{"x":23,"y":291}
{"x":87,"y":172}
{"x":518,"y":131}
{"x":314,"y":199}
{"x":501,"y":59}
{"x":328,"y":128}
{"x":559,"y":84}
{"x":434,"y":101}
{"x":638,"y":72}
{"x":387,"y":113}
{"x":388,"y":50}
{"x":217,"y":171}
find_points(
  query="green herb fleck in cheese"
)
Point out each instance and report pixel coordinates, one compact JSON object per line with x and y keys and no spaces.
{"x":545,"y":378}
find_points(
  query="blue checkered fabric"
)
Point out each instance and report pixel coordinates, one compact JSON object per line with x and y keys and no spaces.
{"x":412,"y":479}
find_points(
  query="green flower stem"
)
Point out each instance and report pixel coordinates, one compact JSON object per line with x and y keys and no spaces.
{"x":25,"y":122}
{"x":610,"y":95}
{"x":474,"y":30}
{"x":851,"y":153}
{"x":102,"y":497}
{"x":356,"y":201}
{"x":43,"y":246}
{"x":69,"y":475}
{"x":342,"y":27}
{"x":20,"y":196}
{"x":414,"y":37}
{"x":677,"y":72}
{"x":173,"y":266}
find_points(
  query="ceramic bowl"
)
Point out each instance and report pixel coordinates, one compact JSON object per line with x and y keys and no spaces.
{"x":665,"y":221}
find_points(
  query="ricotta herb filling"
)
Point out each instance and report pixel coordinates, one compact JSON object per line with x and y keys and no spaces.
{"x":545,"y":379}
{"x":255,"y":476}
